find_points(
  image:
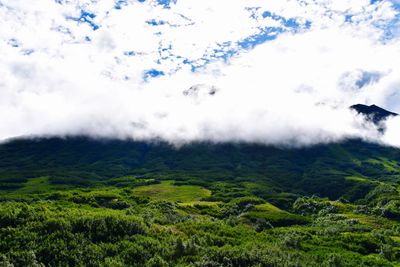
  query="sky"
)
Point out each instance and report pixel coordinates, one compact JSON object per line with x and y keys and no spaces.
{"x":280,"y":72}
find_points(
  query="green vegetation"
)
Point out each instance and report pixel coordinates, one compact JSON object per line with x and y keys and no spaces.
{"x":170,"y":192}
{"x":37,"y":185}
{"x":273,"y":216}
{"x":78,"y":202}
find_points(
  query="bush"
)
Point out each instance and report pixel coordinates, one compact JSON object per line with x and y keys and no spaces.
{"x":108,"y":228}
{"x":313,"y":205}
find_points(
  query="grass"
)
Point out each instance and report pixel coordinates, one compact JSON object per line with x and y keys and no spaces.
{"x":201,"y":203}
{"x":170,"y":192}
{"x":389,"y":165}
{"x":373,"y":222}
{"x":267,"y":207}
{"x":363,"y":180}
{"x":35,"y":185}
{"x":342,"y":207}
{"x":357,"y":179}
{"x":274,"y":215}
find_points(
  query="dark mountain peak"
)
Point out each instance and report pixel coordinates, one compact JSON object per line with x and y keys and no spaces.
{"x":374,"y":113}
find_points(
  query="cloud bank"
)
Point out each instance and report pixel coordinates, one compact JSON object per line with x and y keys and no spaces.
{"x":282,"y":72}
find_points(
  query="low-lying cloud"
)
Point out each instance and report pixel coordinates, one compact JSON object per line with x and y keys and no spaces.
{"x":199,"y":70}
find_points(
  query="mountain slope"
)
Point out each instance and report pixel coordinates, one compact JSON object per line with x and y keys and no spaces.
{"x":318,"y":170}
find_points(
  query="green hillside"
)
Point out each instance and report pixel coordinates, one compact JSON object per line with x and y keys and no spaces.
{"x":82,"y":202}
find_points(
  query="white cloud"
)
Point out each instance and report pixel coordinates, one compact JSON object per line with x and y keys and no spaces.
{"x":295,"y":89}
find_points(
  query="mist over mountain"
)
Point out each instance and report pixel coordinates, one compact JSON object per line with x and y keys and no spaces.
{"x":374,"y":113}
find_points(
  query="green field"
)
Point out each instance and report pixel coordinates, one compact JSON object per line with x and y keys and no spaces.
{"x":268,"y":208}
{"x":358,"y":179}
{"x":35,"y":185}
{"x":389,"y":165}
{"x":170,"y":192}
{"x":268,"y":213}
